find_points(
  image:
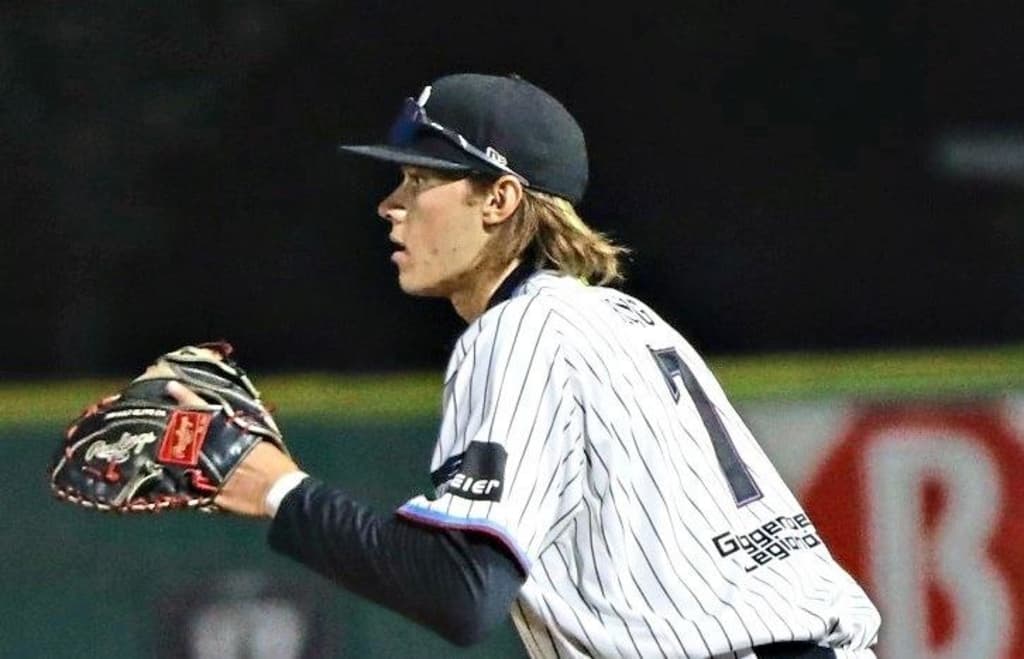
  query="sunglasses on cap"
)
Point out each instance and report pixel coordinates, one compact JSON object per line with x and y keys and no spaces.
{"x":413,"y":117}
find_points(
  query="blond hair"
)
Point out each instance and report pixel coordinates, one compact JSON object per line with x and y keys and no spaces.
{"x":547,"y":230}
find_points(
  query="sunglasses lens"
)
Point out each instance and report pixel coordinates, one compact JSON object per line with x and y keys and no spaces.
{"x":406,"y":124}
{"x":413,"y":118}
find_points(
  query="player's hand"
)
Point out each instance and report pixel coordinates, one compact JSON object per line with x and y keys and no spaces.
{"x":245,"y":492}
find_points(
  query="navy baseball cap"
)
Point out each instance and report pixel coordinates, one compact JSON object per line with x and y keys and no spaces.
{"x":471,"y":122}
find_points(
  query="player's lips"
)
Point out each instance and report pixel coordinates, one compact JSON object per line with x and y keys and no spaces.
{"x":399,"y":254}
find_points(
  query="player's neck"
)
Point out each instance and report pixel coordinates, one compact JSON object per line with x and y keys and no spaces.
{"x":470,"y":301}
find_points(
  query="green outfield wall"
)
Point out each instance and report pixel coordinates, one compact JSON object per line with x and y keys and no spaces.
{"x":81,"y":583}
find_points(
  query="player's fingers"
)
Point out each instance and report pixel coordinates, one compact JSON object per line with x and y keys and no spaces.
{"x":183,"y":394}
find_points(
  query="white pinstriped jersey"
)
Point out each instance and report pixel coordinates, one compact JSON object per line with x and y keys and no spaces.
{"x":585,"y":434}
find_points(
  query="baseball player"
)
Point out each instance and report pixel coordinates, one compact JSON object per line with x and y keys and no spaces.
{"x":590,"y":476}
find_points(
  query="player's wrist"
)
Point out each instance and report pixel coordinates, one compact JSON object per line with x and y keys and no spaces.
{"x":280,"y":488}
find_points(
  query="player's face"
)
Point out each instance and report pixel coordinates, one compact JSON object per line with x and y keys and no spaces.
{"x":438,"y":232}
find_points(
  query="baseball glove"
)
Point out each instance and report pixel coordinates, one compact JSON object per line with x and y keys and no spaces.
{"x":141,"y":451}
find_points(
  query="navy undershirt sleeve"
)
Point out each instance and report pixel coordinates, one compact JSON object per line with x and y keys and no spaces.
{"x":458,"y":583}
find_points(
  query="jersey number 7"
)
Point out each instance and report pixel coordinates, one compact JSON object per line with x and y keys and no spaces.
{"x":744,"y":489}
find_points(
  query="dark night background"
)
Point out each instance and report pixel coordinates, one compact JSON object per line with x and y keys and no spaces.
{"x":170,"y":172}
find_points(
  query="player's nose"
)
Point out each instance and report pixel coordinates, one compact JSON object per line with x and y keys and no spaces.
{"x":389,"y":208}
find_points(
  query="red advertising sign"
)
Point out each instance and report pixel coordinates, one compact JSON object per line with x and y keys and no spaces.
{"x":922,"y":504}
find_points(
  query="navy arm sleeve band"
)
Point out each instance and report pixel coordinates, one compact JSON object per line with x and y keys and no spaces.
{"x":459,"y":584}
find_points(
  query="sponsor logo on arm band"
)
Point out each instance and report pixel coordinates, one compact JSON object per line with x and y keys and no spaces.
{"x":477,"y":474}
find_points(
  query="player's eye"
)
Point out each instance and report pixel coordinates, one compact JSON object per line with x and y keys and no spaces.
{"x":413,"y":178}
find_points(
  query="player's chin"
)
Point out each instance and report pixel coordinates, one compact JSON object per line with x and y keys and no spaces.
{"x":412,"y":286}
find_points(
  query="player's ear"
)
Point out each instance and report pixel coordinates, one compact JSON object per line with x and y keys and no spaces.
{"x":501,"y":199}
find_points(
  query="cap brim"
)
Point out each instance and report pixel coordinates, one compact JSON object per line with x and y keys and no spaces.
{"x":404,"y":156}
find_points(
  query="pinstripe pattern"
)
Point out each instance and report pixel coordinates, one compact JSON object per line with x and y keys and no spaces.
{"x":616,"y":500}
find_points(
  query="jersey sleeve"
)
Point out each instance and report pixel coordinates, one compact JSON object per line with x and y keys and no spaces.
{"x":509,"y":456}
